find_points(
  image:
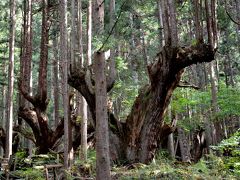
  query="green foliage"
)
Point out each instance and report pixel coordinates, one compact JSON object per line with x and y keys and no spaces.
{"x":162,"y":167}
{"x":20,"y":160}
{"x":84,"y":168}
{"x":121,"y":64}
{"x":223,"y":19}
{"x":79,"y":119}
{"x":98,"y":42}
{"x":200,"y":101}
{"x":230,"y":149}
{"x":229,"y":101}
{"x":42,"y":159}
{"x":32,"y":167}
{"x":125,"y":90}
{"x":20,"y":154}
{"x":184,"y":99}
{"x":30,"y":173}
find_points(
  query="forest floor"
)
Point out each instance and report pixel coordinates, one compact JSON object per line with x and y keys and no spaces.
{"x":210,"y":167}
{"x":224,"y":165}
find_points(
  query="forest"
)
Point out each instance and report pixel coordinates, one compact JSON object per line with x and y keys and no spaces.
{"x":127,"y":89}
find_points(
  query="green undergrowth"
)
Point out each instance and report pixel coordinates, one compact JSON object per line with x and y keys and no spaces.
{"x":210,"y":167}
{"x":222,"y":163}
{"x":86,"y":169}
{"x":229,"y":149}
{"x":30,"y":168}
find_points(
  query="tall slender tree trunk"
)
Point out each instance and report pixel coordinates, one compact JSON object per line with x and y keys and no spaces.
{"x":170,"y":144}
{"x":227,"y":62}
{"x":238,"y":26}
{"x":26,"y":60}
{"x":84,"y":122}
{"x":9,"y":124}
{"x":102,"y":137}
{"x":144,"y":49}
{"x":165,"y":20}
{"x":89,"y":33}
{"x":213,"y":78}
{"x":55,"y":81}
{"x":102,"y":131}
{"x":184,"y":146}
{"x":80,"y":33}
{"x":73,"y":48}
{"x":42,"y":78}
{"x":197,"y":20}
{"x":112,"y":69}
{"x":173,"y":22}
{"x":213,"y":87}
{"x":26,"y":57}
{"x":4,"y":103}
{"x":63,"y":55}
{"x":133,"y":63}
{"x":44,"y":137}
{"x":160,"y":20}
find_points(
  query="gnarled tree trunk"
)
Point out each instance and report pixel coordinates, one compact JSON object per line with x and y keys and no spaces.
{"x":137,"y":140}
{"x":44,"y":137}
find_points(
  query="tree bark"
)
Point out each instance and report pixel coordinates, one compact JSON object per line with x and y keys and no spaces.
{"x":26,"y":61}
{"x":9,"y":123}
{"x":89,"y":33}
{"x":80,"y":34}
{"x":84,"y":120}
{"x":133,"y":51}
{"x":63,"y":55}
{"x":170,"y":142}
{"x":197,"y":21}
{"x":42,"y":76}
{"x":165,"y":20}
{"x":4,"y":105}
{"x":184,"y":146}
{"x":199,"y":144}
{"x":74,"y":43}
{"x":160,"y":20}
{"x":111,"y":63}
{"x":144,"y":50}
{"x":84,"y":123}
{"x":173,"y":22}
{"x":26,"y":54}
{"x":55,"y":81}
{"x":98,"y":11}
{"x":102,"y":137}
{"x":102,"y":134}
